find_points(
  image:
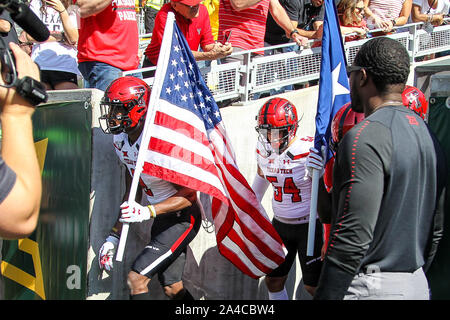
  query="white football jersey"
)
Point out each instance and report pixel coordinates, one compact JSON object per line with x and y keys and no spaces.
{"x":156,"y":189}
{"x":286,"y":172}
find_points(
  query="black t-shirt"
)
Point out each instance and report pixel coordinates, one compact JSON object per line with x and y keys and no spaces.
{"x":384,"y":196}
{"x":274,"y":33}
{"x":309,"y":14}
{"x":11,"y":36}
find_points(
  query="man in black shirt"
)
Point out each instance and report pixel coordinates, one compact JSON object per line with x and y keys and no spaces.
{"x":384,"y":187}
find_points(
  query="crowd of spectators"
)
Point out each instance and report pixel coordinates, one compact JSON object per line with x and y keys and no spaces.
{"x":93,"y":41}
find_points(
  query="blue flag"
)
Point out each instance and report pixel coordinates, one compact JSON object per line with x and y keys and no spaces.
{"x":334,"y":89}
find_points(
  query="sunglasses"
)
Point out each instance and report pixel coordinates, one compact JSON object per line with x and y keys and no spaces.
{"x":351,"y":69}
{"x":359,"y":9}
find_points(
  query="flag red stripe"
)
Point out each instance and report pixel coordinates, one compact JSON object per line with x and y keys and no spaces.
{"x":180,"y":126}
{"x":218,"y":130}
{"x":185,"y":155}
{"x":247,"y":207}
{"x":255,"y":215}
{"x":234,"y":258}
{"x":235,"y":237}
{"x":183,"y":180}
{"x":261,"y":245}
{"x":227,"y":223}
{"x":227,"y":229}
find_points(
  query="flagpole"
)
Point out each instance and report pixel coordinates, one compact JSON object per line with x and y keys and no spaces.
{"x":313,"y":212}
{"x":155,"y":93}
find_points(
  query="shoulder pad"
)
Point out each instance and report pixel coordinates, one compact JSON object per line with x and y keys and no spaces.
{"x":300,"y":148}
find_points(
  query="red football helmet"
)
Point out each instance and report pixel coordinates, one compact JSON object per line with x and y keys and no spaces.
{"x":124,"y":104}
{"x":277,"y":123}
{"x":343,"y":121}
{"x":415,"y":100}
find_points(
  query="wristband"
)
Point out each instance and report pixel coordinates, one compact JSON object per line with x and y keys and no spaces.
{"x":152,"y":211}
{"x":393,"y":22}
{"x":114,"y":234}
{"x":292,"y":32}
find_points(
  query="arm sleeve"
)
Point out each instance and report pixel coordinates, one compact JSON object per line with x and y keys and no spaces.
{"x":7,"y":180}
{"x":260,"y":186}
{"x":358,"y":183}
{"x":437,"y":231}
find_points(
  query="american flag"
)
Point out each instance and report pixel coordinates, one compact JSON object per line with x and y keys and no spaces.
{"x":188,"y":145}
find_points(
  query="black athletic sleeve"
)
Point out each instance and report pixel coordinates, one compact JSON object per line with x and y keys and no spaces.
{"x":438,"y":221}
{"x":358,"y":182}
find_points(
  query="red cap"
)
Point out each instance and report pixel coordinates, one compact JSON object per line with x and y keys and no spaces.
{"x":189,"y":2}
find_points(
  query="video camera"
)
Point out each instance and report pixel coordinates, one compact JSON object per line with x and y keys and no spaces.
{"x":30,"y":89}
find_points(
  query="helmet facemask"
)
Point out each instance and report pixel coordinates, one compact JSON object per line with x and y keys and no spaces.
{"x":277,"y":124}
{"x":114,"y":118}
{"x":275,"y":139}
{"x":124,"y":105}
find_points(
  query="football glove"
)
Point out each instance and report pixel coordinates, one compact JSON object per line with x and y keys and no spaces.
{"x":134,"y":212}
{"x":107,"y":252}
{"x":314,"y":161}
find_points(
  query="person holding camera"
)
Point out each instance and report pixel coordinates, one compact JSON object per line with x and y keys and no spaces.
{"x":20,"y":177}
{"x":8,"y":31}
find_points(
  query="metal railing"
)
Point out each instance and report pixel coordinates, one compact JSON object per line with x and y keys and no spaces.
{"x":302,"y":65}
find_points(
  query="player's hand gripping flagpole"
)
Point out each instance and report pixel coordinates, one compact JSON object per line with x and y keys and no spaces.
{"x":156,"y":90}
{"x":333,"y":78}
{"x":189,"y":146}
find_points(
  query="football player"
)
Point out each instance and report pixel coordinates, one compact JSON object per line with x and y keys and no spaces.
{"x":342,"y":122}
{"x":174,"y":208}
{"x":281,"y":157}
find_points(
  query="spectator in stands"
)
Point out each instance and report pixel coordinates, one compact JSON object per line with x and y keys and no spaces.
{"x":151,"y":8}
{"x":310,"y":21}
{"x":57,"y":57}
{"x":193,"y":20}
{"x":386,"y":14}
{"x":244,"y":23}
{"x":351,"y":19}
{"x":429,"y":11}
{"x":275,"y":35}
{"x":108,"y":42}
